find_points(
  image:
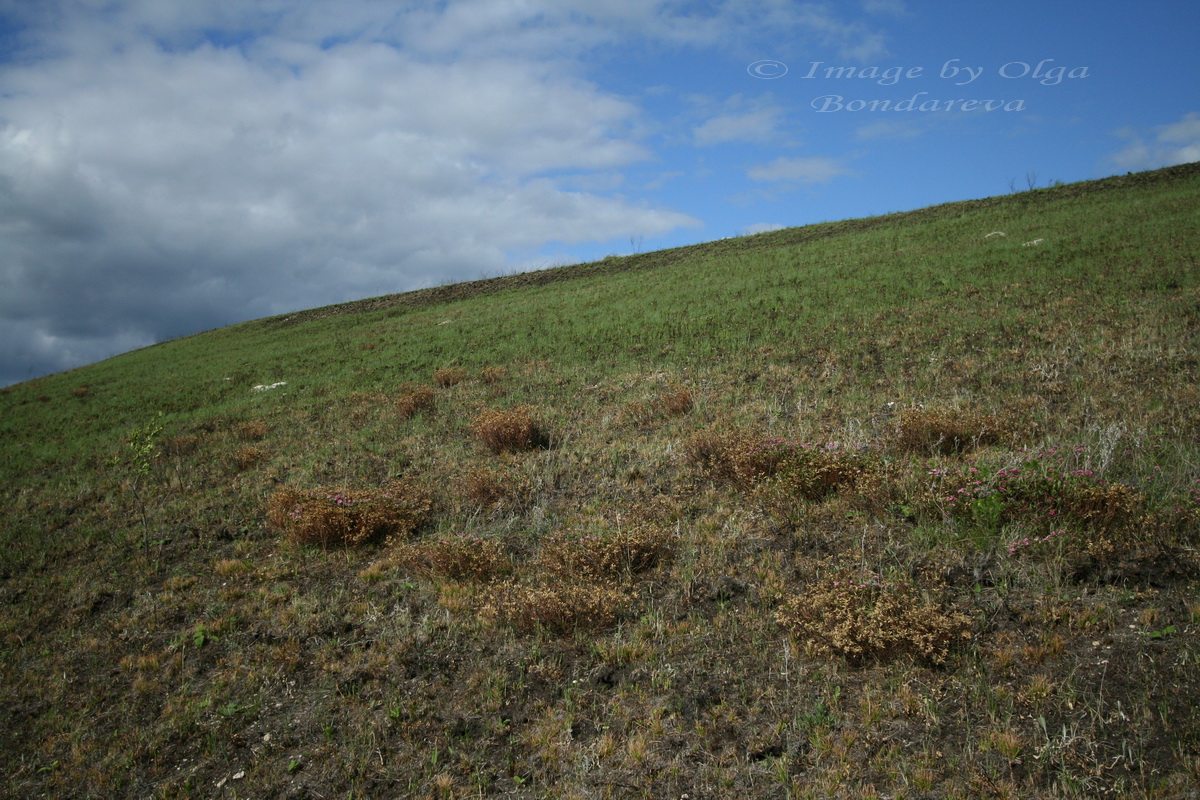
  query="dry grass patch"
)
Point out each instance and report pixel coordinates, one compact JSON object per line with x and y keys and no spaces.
{"x":508,"y":430}
{"x":337,"y":516}
{"x":449,"y":376}
{"x":717,"y":454}
{"x":492,"y":488}
{"x":950,"y":430}
{"x":462,"y":557}
{"x":605,"y":555}
{"x":254,"y":430}
{"x":249,"y":456}
{"x":864,"y":618}
{"x":493,"y":375}
{"x":560,"y":610}
{"x":413,"y":400}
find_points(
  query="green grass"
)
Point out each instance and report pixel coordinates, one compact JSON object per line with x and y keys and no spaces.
{"x":992,"y":444}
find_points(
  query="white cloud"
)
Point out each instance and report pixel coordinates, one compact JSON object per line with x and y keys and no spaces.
{"x":761,"y":227}
{"x":752,"y":126}
{"x":814,"y":169}
{"x":1174,"y":143}
{"x":169,"y":166}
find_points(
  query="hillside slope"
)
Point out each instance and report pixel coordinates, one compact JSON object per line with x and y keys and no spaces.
{"x":905,"y":506}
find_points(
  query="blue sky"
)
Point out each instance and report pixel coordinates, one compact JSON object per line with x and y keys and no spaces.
{"x":170,"y":166}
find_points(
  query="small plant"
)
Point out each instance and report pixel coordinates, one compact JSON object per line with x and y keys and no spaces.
{"x":606,"y":555}
{"x":80,"y":392}
{"x":508,"y":431}
{"x":809,"y":470}
{"x":449,"y":376}
{"x":493,"y":488}
{"x":717,"y":454}
{"x":334,"y":516}
{"x":864,"y":617}
{"x":254,"y":430}
{"x":676,"y":402}
{"x":493,"y":375}
{"x":138,"y":463}
{"x":949,"y":430}
{"x":414,"y":400}
{"x":560,"y":610}
{"x":463,"y":557}
{"x":248,"y":457}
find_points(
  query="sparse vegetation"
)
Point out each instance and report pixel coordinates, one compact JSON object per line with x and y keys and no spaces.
{"x":780,"y":532}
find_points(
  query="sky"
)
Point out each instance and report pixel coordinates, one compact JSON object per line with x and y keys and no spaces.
{"x":173,"y":166}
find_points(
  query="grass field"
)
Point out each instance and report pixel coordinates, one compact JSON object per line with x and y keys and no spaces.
{"x":894,"y":507}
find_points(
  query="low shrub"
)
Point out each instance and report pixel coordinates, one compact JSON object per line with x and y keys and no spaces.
{"x":254,"y":430}
{"x":449,"y":376}
{"x":413,"y":400}
{"x":676,"y":402}
{"x":463,"y":557}
{"x":347,"y":517}
{"x":716,"y":454}
{"x":492,"y":488}
{"x":949,"y":430}
{"x":249,"y":456}
{"x":493,"y":375}
{"x":508,"y":431}
{"x":808,"y":470}
{"x":560,"y":610}
{"x":606,"y":555}
{"x":863,"y":618}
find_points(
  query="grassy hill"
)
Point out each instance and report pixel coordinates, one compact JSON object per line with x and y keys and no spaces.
{"x":905,"y":506}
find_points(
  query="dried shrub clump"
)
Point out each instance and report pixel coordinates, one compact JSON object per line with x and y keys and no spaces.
{"x":178,"y":446}
{"x":949,"y":430}
{"x":249,"y":456}
{"x":254,"y":430}
{"x":449,"y":376}
{"x":348,"y":517}
{"x":463,"y":557}
{"x":508,"y":431}
{"x":80,"y":391}
{"x":808,"y":470}
{"x":493,"y":375}
{"x":492,"y":488}
{"x":716,"y":454}
{"x":676,"y":402}
{"x":606,"y":555}
{"x":560,"y":610}
{"x":866,"y":619}
{"x":413,"y":400}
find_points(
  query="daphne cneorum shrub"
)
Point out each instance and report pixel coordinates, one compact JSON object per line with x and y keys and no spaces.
{"x":508,"y":431}
{"x":494,"y":488}
{"x":949,"y":430}
{"x":493,"y":375}
{"x":413,"y":400}
{"x":251,"y":431}
{"x":717,"y":454}
{"x":864,"y":618}
{"x":463,"y":557}
{"x":249,"y":456}
{"x":337,"y":516}
{"x":676,"y":402}
{"x":808,"y":470}
{"x":606,"y":555}
{"x":449,"y":376}
{"x":562,"y":609}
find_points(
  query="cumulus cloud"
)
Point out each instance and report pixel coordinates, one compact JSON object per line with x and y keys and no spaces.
{"x":168,"y":166}
{"x":751,"y":126}
{"x":1167,"y":145}
{"x":814,"y":169}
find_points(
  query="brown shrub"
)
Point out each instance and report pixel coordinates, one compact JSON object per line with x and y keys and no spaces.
{"x":414,"y":400}
{"x":80,"y":391}
{"x":949,"y":430}
{"x":717,"y":454}
{"x":182,"y":445}
{"x":508,"y":431}
{"x":449,"y":376}
{"x":865,"y":619}
{"x":608,"y":555}
{"x":333,"y":516}
{"x":249,"y":457}
{"x":491,"y":375}
{"x":254,"y":430}
{"x":465,"y":557}
{"x":676,"y":402}
{"x":559,"y":610}
{"x":808,"y":470}
{"x":490,"y":488}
